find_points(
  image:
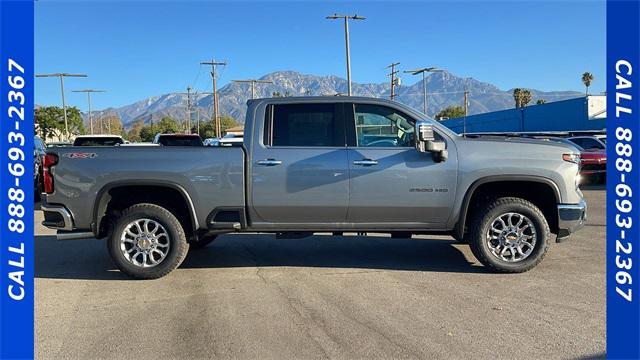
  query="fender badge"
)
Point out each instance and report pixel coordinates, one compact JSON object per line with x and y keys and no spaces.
{"x":79,"y":155}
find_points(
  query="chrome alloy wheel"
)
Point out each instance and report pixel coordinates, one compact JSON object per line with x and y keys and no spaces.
{"x":511,"y":237}
{"x":144,"y":243}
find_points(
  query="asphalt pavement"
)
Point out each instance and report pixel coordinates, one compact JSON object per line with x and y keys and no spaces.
{"x":251,"y":296}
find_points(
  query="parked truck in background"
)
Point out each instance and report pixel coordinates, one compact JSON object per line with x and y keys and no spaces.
{"x":319,"y":164}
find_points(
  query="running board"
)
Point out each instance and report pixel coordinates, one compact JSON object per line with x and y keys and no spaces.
{"x":71,"y":235}
{"x":225,"y":226}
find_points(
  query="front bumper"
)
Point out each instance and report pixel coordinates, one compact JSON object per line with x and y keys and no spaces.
{"x":571,"y":218}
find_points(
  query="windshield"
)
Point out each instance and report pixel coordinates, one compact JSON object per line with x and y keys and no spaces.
{"x":176,"y":140}
{"x":97,"y":141}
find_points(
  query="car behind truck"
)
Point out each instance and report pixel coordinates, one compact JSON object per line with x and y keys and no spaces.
{"x":318,"y":164}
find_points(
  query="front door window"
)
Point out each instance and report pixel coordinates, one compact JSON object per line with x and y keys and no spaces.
{"x":381,"y":126}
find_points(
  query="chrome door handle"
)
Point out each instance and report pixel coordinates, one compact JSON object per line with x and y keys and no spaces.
{"x":269,"y":162}
{"x":365,"y":162}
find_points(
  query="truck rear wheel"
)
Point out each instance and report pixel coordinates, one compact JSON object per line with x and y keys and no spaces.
{"x":147,"y":242}
{"x":509,"y":235}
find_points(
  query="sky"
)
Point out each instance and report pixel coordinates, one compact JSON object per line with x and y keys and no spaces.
{"x":136,"y":50}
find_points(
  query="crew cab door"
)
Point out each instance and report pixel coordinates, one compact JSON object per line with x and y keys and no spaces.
{"x":299,"y":172}
{"x":391,"y":182}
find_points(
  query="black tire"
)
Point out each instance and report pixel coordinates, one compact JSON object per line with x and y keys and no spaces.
{"x":482,"y":220}
{"x":37,"y":190}
{"x":202,"y":242}
{"x":178,"y":246}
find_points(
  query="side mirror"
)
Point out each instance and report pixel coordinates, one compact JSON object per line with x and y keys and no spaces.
{"x":426,"y":141}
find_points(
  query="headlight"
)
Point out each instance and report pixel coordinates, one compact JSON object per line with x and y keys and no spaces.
{"x":574,"y":158}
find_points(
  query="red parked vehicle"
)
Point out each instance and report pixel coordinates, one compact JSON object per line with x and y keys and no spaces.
{"x":593,"y":162}
{"x":593,"y":165}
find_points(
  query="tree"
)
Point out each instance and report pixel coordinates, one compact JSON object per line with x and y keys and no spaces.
{"x":166,"y":125}
{"x":208,"y":128}
{"x":50,"y":121}
{"x":279,"y":94}
{"x":517,"y":97}
{"x":450,"y":112}
{"x":147,"y":133}
{"x":227,"y":122}
{"x":108,"y":124}
{"x":134,"y":133}
{"x":587,"y":79}
{"x":541,"y":101}
{"x":526,"y":97}
{"x":522,"y":97}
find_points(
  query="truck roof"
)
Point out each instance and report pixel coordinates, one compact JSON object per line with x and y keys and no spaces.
{"x":320,"y":99}
{"x":98,"y":136}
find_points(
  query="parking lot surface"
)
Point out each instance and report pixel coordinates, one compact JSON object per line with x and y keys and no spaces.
{"x":252,"y":296}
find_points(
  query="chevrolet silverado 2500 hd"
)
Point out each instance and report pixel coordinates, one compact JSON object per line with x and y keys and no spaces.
{"x":318,"y":164}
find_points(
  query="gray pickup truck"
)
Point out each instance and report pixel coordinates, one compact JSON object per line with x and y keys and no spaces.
{"x":319,"y":164}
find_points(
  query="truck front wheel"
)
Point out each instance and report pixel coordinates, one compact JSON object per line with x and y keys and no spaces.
{"x":509,"y":235}
{"x":147,"y":242}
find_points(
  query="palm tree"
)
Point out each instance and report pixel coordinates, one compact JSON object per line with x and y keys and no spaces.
{"x":587,"y":78}
{"x":517,"y":96}
{"x":526,"y":98}
{"x":522,"y":97}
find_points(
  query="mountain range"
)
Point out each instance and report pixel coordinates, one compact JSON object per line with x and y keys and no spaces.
{"x":444,"y":89}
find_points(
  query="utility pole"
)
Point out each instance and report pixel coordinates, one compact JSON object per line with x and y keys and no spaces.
{"x":346,"y":41}
{"x":215,"y":116}
{"x":394,"y":80}
{"x":188,"y":120}
{"x":423,"y":71}
{"x":89,"y":92}
{"x":64,"y":105}
{"x":466,"y":106}
{"x":198,"y":112}
{"x":253,"y":83}
{"x":466,"y":102}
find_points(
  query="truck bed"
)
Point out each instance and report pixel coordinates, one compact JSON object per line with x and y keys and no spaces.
{"x":212,"y":176}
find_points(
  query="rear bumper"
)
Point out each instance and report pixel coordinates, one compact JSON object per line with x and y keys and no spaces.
{"x":57,"y":217}
{"x":571,"y":218}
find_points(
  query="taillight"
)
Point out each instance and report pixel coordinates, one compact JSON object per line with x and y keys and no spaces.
{"x":50,"y":160}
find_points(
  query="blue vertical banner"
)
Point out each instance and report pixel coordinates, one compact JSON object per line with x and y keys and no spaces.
{"x":623,"y":182}
{"x":16,"y":179}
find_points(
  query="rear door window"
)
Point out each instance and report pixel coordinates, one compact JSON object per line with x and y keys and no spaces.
{"x":304,"y":125}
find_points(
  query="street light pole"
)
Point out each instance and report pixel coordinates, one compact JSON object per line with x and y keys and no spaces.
{"x":64,"y":105}
{"x":89,"y":91}
{"x":253,"y":84}
{"x":346,"y":41}
{"x":423,"y":71}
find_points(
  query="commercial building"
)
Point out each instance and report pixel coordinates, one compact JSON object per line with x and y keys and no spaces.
{"x":580,"y":114}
